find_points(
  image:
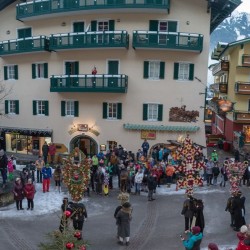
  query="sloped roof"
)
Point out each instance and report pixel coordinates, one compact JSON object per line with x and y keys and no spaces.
{"x":5,"y":3}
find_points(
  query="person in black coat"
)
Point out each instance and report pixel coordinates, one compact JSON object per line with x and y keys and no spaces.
{"x":64,"y":220}
{"x":3,"y":166}
{"x":151,"y":186}
{"x":198,"y":213}
{"x":188,"y":212}
{"x":237,"y":205}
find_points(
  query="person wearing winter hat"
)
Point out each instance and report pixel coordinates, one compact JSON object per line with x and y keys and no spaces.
{"x":242,"y":234}
{"x":123,"y":218}
{"x":194,"y":238}
{"x":244,"y":244}
{"x":212,"y":246}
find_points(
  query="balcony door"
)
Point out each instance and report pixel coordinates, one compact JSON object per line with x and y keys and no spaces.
{"x":113,"y":69}
{"x":24,"y":33}
{"x":72,"y":68}
{"x":77,"y":28}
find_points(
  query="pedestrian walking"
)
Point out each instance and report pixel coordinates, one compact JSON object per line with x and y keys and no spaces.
{"x":138,"y":181}
{"x":47,"y":174}
{"x":45,"y":150}
{"x":29,"y":191}
{"x":229,"y":208}
{"x":18,"y":191}
{"x":209,"y":171}
{"x":198,"y":214}
{"x":237,"y":211}
{"x":64,"y":218}
{"x":52,"y":152}
{"x":145,"y":148}
{"x":224,"y":177}
{"x":215,"y":172}
{"x":10,"y":169}
{"x":123,"y":218}
{"x":151,"y":181}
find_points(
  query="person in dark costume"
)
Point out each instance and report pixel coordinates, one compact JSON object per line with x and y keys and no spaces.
{"x":79,"y":215}
{"x":123,"y":217}
{"x":64,"y":220}
{"x":237,"y":212}
{"x":188,"y":212}
{"x":229,"y":209}
{"x":198,"y":213}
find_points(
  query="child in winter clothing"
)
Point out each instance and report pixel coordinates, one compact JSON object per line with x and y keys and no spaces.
{"x":10,"y":169}
{"x":29,"y":191}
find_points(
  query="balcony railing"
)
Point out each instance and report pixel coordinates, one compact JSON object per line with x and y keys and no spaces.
{"x":220,"y":68}
{"x":34,"y":9}
{"x":241,"y":116}
{"x":242,"y":88}
{"x":99,"y":39}
{"x":168,"y":40}
{"x":89,"y":83}
{"x":24,"y":45}
{"x":246,"y":60}
{"x":220,"y":87}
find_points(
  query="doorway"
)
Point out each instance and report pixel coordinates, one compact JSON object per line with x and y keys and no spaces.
{"x":85,"y":143}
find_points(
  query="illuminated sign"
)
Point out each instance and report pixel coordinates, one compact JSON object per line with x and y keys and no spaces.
{"x":83,"y":127}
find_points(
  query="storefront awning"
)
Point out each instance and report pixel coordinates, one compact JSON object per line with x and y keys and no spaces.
{"x":161,"y":127}
{"x":27,"y":131}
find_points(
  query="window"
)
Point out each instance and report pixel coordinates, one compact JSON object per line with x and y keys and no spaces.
{"x":152,"y":112}
{"x":112,"y":111}
{"x":41,"y":108}
{"x":154,"y":70}
{"x":223,"y":78}
{"x":11,"y":107}
{"x":39,"y":70}
{"x":70,"y":108}
{"x":184,"y":71}
{"x":11,"y":72}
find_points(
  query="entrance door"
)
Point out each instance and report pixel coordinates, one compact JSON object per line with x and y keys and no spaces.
{"x":86,"y":144}
{"x":113,"y":69}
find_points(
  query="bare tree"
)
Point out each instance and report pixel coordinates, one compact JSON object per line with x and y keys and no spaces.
{"x":4,"y":92}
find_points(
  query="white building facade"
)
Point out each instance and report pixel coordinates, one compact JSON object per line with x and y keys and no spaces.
{"x":151,"y":60}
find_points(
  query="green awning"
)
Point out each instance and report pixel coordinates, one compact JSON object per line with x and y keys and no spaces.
{"x":161,"y":127}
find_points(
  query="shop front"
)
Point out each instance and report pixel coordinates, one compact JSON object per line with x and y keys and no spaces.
{"x":24,"y":140}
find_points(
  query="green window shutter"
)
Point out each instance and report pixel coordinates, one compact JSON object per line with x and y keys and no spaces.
{"x":153,"y":25}
{"x":93,"y":25}
{"x":46,"y":104}
{"x":176,"y":71}
{"x":162,"y":70}
{"x":145,"y":70}
{"x":33,"y":71}
{"x":17,"y":106}
{"x":119,"y":111}
{"x":191,"y":72}
{"x":5,"y":73}
{"x":6,"y":107}
{"x":145,"y":112}
{"x":77,"y":68}
{"x":16,"y":71}
{"x":172,"y":26}
{"x":76,"y":106}
{"x":34,"y":108}
{"x":45,"y":65}
{"x":111,"y":25}
{"x":160,"y":112}
{"x":104,"y":110}
{"x":63,"y":104}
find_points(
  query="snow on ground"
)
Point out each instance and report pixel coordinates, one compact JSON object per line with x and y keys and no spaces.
{"x":222,"y":247}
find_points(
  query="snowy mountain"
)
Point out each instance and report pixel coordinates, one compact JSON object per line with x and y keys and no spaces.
{"x":235,"y":27}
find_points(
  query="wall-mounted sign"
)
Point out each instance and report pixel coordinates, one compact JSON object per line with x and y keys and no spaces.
{"x":83,"y":127}
{"x":148,"y":134}
{"x":225,"y":105}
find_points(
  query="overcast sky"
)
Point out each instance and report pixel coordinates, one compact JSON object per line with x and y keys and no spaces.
{"x":245,"y":6}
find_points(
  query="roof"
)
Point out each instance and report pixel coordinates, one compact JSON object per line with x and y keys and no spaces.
{"x":161,"y":127}
{"x":222,"y":49}
{"x":5,"y":3}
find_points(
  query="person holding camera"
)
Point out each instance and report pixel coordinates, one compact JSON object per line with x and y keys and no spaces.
{"x":193,"y":240}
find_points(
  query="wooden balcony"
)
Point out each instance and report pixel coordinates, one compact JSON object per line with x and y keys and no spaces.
{"x":220,"y":87}
{"x":24,"y":45}
{"x":168,"y":40}
{"x":246,"y":60}
{"x":89,"y":83}
{"x":242,"y":88}
{"x":220,"y":68}
{"x":241,"y":116}
{"x":84,"y":40}
{"x":49,"y":8}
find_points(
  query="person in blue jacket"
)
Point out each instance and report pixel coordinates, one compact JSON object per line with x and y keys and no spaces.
{"x":194,"y":239}
{"x":47,"y":174}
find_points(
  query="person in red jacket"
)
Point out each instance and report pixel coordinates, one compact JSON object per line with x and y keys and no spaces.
{"x":244,"y":244}
{"x":52,"y":152}
{"x":29,"y":190}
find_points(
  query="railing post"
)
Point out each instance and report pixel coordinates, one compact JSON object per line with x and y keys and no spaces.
{"x":103,"y":81}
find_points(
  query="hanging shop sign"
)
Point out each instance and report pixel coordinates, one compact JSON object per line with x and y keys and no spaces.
{"x":225,"y":106}
{"x":148,"y":134}
{"x":83,"y":127}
